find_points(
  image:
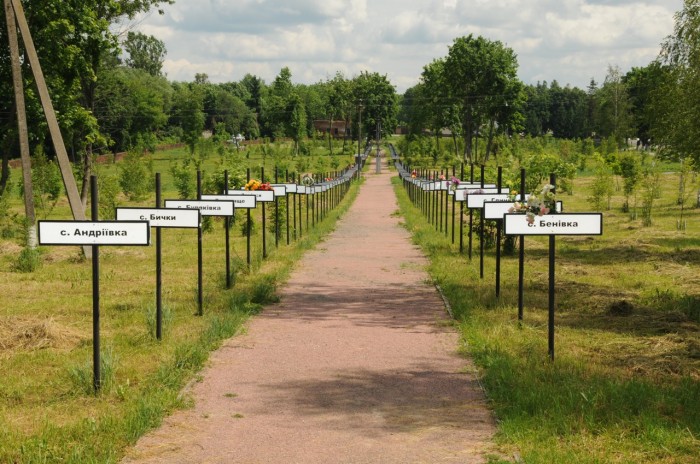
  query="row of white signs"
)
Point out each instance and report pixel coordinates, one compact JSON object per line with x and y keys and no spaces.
{"x":132,"y":225}
{"x":497,"y":205}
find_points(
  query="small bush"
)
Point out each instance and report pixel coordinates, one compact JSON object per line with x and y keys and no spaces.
{"x":29,"y":260}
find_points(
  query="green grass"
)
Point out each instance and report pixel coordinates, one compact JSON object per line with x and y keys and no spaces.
{"x":48,"y":411}
{"x":624,"y":386}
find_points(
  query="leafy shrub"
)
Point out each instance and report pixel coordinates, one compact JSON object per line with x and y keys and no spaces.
{"x":29,"y":260}
{"x":135,"y":176}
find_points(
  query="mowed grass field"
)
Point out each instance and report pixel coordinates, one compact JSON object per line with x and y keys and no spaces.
{"x":624,"y":386}
{"x":48,"y":409}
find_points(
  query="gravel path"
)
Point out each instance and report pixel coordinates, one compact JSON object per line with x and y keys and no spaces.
{"x":357,"y":364}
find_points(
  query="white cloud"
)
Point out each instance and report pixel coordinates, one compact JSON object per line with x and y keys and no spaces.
{"x":567,"y":40}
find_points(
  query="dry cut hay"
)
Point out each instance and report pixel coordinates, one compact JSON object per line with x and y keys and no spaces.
{"x":31,"y":333}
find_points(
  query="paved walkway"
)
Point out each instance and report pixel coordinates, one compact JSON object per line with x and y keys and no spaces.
{"x":357,"y":364}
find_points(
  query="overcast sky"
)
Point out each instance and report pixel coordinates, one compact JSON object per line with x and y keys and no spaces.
{"x":570,"y":41}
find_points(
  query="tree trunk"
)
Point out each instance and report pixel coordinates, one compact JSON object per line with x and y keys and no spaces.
{"x":21,"y":125}
{"x":489,"y":143}
{"x":87,"y":171}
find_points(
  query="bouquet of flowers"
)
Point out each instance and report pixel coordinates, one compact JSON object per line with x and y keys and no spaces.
{"x":454,"y":183}
{"x":253,"y":184}
{"x":536,"y":205}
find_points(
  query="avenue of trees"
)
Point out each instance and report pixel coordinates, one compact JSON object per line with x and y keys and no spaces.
{"x":111,"y":95}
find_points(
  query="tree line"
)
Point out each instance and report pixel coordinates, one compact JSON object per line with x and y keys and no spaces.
{"x":111,"y":95}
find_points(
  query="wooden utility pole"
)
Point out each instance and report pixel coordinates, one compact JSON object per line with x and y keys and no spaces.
{"x":20,"y":20}
{"x":21,"y":126}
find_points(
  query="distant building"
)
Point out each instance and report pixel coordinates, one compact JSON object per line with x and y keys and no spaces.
{"x":337,"y":128}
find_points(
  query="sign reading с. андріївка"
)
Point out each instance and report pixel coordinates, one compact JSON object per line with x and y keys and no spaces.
{"x":93,"y":233}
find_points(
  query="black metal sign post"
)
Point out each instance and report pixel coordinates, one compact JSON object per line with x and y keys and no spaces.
{"x":552,"y":262}
{"x":96,"y":378}
{"x":481,"y":231}
{"x":158,"y":218}
{"x":94,"y":233}
{"x":291,"y":179}
{"x":200,"y":265}
{"x":286,"y":204}
{"x":521,"y":254}
{"x":461,"y":216}
{"x":439,"y":197}
{"x":471,"y":212}
{"x":498,"y":238}
{"x":159,"y":269}
{"x":206,"y":208}
{"x":248,"y":228}
{"x":240,"y":200}
{"x":301,"y":200}
{"x":553,"y":225}
{"x":264,"y":219}
{"x":227,"y":226}
{"x":277,"y":213}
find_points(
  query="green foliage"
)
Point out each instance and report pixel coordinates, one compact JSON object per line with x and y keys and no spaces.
{"x":136,"y":176}
{"x":248,"y":227}
{"x":185,"y":177}
{"x":145,"y":52}
{"x":277,"y":217}
{"x":677,"y":99}
{"x":108,"y":189}
{"x":9,"y":220}
{"x":602,"y":188}
{"x":630,"y":169}
{"x":28,"y":260}
{"x":651,"y":188}
{"x":47,"y":183}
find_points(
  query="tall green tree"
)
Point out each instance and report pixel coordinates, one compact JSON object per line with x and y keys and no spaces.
{"x":188,"y":113}
{"x":677,"y":101}
{"x":642,"y":83}
{"x":145,"y":52}
{"x":482,"y":75}
{"x":615,"y":107}
{"x":132,"y":107}
{"x":73,"y":41}
{"x":379,"y":101}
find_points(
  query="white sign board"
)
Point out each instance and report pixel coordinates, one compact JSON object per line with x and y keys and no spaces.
{"x":555,"y":224}
{"x":474,"y":185}
{"x":94,"y":233}
{"x":239,"y":201}
{"x":463,"y":194}
{"x":496,"y":209}
{"x":205,"y":207}
{"x":264,"y":196}
{"x":161,"y":217}
{"x":476,"y":200}
{"x":280,"y":190}
{"x":290,"y":188}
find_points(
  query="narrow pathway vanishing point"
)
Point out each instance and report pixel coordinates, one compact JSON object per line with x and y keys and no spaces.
{"x":356,"y":364}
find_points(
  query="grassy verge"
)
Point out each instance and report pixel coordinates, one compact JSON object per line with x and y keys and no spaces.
{"x":625,"y":384}
{"x":48,"y":412}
